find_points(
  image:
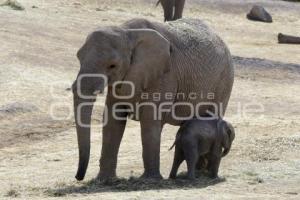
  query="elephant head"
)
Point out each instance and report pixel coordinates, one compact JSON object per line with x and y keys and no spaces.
{"x":228,"y":135}
{"x":137,"y":55}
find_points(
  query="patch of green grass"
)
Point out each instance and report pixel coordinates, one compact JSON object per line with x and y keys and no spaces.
{"x":13,"y":4}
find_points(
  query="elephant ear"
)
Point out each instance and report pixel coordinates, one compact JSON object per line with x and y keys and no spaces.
{"x":150,"y":58}
{"x":230,"y":131}
{"x":228,"y":136}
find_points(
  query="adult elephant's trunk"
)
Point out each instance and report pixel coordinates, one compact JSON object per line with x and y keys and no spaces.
{"x":82,"y":112}
{"x":85,"y":89}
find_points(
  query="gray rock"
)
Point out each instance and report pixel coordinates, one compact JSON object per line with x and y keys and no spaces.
{"x":258,"y":13}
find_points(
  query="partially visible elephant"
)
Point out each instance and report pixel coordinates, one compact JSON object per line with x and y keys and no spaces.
{"x":172,"y":9}
{"x":182,"y":61}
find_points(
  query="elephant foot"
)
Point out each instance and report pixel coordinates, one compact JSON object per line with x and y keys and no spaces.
{"x":151,"y":175}
{"x":217,"y":180}
{"x":213,"y":176}
{"x":171,"y":176}
{"x":191,"y":178}
{"x":106,"y":176}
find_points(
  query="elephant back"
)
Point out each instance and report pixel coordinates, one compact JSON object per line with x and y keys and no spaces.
{"x":196,"y":40}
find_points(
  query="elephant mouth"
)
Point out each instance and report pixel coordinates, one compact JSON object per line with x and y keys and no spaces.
{"x":98,"y":89}
{"x":97,"y":92}
{"x":118,"y":87}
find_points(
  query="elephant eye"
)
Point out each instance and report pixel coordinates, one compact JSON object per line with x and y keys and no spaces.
{"x":112,"y":66}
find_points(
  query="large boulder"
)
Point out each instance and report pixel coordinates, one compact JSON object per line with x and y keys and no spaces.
{"x":258,"y":13}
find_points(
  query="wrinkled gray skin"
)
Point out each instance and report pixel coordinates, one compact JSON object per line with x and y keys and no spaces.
{"x":200,"y":140}
{"x":172,"y":9}
{"x":180,"y":57}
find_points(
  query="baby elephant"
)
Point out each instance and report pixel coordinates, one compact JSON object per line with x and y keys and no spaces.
{"x":198,"y":140}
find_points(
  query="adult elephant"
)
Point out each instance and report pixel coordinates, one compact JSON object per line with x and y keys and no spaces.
{"x":183,"y":62}
{"x":172,"y":9}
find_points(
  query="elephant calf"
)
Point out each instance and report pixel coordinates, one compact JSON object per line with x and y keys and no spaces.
{"x":198,"y":140}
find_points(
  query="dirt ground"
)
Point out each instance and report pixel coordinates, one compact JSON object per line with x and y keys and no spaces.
{"x":38,"y":153}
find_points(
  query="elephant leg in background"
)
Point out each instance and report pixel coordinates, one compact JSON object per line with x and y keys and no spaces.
{"x":178,"y":158}
{"x":111,"y":139}
{"x":168,"y":7}
{"x":179,"y":5}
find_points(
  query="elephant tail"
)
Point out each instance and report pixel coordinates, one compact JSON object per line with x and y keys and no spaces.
{"x":178,"y":136}
{"x":157,"y":3}
{"x":172,"y":146}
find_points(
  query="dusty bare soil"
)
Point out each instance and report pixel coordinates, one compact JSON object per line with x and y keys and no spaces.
{"x":38,"y":154}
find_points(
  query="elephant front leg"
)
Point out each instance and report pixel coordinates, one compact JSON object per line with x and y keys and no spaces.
{"x":151,"y":135}
{"x":112,"y":136}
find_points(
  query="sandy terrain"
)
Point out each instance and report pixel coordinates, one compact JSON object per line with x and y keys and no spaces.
{"x":38,"y":154}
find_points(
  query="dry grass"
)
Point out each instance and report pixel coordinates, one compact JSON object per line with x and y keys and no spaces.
{"x":132,"y":184}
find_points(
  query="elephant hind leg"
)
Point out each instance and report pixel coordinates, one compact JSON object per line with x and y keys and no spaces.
{"x":214,"y":164}
{"x":202,"y":163}
{"x":178,"y":158}
{"x":191,"y":156}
